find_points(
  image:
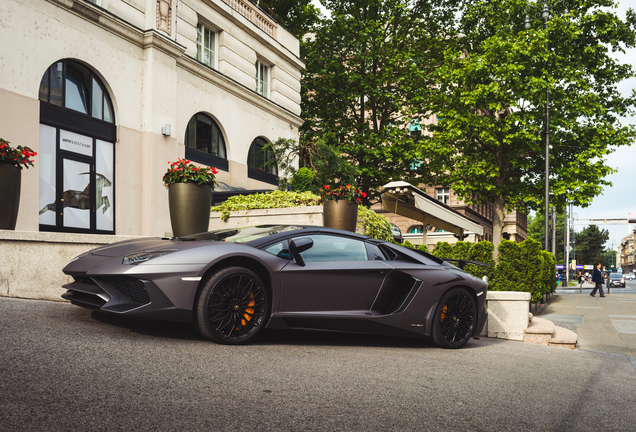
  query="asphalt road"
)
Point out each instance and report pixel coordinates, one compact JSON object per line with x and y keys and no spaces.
{"x":66,"y":368}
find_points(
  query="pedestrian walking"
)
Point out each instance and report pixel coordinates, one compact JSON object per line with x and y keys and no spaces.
{"x":597,"y":278}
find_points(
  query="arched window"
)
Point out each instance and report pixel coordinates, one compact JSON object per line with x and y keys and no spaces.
{"x":261,"y":162}
{"x":72,"y":85}
{"x":77,"y":151}
{"x":415,"y":229}
{"x":205,"y":143}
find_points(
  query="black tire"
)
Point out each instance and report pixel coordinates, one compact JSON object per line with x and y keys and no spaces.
{"x":455,"y":319}
{"x":233,"y":306}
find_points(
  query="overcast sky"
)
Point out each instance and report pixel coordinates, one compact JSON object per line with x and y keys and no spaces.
{"x":618,"y":200}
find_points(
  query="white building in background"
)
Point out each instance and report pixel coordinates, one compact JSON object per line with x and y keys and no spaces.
{"x":109,"y":91}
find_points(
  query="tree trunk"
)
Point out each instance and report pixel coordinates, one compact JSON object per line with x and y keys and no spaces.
{"x":497,"y":224}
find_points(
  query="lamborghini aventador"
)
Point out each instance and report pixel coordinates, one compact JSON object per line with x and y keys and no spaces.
{"x":233,"y":283}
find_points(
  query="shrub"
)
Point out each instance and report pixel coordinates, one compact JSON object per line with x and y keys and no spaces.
{"x":481,"y":252}
{"x":524,"y":267}
{"x":532,"y":268}
{"x":507,"y":274}
{"x":301,"y":181}
{"x":373,"y":224}
{"x":549,"y":272}
{"x":274,"y":199}
{"x":369,"y":222}
{"x":443,"y":250}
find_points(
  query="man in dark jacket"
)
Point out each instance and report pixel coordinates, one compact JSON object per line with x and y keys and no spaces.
{"x":597,"y":278}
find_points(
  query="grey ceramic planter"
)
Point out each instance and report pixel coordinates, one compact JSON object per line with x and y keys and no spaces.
{"x":10,"y":181}
{"x":189,"y":208}
{"x":340,"y":214}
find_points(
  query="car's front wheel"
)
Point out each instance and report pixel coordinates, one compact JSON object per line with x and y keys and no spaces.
{"x":233,"y":306}
{"x":455,"y":319}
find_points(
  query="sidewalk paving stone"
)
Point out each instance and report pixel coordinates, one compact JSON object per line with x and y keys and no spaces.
{"x":605,"y":325}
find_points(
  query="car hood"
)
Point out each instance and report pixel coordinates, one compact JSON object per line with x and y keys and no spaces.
{"x":142,"y":244}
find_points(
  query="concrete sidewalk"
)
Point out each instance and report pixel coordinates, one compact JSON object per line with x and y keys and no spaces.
{"x":605,"y":325}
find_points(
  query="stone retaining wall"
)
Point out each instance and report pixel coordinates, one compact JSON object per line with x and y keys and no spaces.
{"x":32,"y":261}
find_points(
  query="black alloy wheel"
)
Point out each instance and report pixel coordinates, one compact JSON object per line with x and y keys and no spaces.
{"x":232,"y":307}
{"x":455,"y":319}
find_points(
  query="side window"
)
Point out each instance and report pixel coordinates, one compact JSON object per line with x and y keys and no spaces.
{"x":328,"y":248}
{"x":375,"y":253}
{"x":280,"y":249}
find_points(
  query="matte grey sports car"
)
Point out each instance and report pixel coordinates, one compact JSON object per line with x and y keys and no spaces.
{"x":233,"y":283}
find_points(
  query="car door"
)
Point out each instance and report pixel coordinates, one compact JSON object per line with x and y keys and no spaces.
{"x":337,"y":278}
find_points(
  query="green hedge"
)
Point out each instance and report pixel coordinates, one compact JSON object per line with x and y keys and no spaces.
{"x":369,"y":222}
{"x":480,"y":252}
{"x":524,"y":267}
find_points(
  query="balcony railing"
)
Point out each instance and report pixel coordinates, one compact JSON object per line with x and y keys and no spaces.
{"x":254,"y":14}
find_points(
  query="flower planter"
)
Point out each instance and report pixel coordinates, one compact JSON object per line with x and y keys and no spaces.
{"x":10,"y":180}
{"x":340,"y":214}
{"x":189,"y":208}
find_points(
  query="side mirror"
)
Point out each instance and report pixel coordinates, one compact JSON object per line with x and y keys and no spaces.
{"x":297,"y":246}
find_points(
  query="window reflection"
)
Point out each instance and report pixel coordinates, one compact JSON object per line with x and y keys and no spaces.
{"x":204,"y":135}
{"x":72,"y":85}
{"x":75,"y":91}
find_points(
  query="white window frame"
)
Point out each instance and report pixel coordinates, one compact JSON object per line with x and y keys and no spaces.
{"x":263,"y":73}
{"x":203,"y":32}
{"x":443,"y":195}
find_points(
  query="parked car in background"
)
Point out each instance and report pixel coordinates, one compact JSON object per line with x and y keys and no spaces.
{"x":630,"y":276}
{"x":397,"y":233}
{"x":616,"y":279}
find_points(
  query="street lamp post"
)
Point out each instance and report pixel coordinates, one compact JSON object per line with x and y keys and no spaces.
{"x":545,"y":14}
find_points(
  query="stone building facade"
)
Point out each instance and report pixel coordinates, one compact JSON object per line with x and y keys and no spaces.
{"x":626,"y":249}
{"x":109,"y":91}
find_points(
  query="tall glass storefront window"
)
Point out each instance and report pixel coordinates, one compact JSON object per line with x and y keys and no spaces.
{"x":77,"y":175}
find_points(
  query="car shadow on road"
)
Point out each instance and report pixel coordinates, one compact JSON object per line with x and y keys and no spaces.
{"x":272,"y":337}
{"x":149,"y":327}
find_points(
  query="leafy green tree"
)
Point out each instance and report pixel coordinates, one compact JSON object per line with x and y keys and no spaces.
{"x":369,"y":71}
{"x":536,"y":231}
{"x":589,"y":245}
{"x":297,"y":16}
{"x":488,"y":143}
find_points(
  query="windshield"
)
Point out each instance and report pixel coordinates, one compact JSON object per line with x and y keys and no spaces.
{"x":241,"y":235}
{"x":616,"y":275}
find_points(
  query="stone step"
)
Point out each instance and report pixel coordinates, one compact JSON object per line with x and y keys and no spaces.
{"x":539,"y":331}
{"x":563,"y":338}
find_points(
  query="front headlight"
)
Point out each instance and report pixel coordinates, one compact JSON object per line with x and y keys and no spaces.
{"x":139,"y":257}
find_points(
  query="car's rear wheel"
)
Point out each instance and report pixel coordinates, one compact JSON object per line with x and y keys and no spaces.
{"x":233,"y":306}
{"x":455,"y":319}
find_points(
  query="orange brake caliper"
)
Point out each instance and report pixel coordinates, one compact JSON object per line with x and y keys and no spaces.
{"x":249,"y":311}
{"x":444,"y":309}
